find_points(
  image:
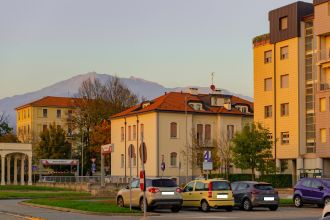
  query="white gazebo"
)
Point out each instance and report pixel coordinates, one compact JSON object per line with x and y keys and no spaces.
{"x":18,"y":152}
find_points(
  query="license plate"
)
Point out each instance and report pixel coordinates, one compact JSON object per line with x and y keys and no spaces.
{"x":167,"y":193}
{"x":269,"y":198}
{"x":222,"y":196}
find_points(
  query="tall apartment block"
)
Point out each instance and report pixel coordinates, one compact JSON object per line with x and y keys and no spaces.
{"x":292,"y":86}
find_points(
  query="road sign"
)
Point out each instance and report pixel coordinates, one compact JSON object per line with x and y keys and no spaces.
{"x":107,"y":148}
{"x":143,"y":150}
{"x":207,"y":156}
{"x":131,"y":151}
{"x":207,"y":166}
{"x":142,"y":180}
{"x":162,"y":166}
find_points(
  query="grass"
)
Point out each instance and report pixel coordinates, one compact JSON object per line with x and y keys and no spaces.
{"x":100,"y":206}
{"x":286,"y":201}
{"x":31,"y":188}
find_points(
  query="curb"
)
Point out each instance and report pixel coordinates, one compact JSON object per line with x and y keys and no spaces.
{"x":84,"y":212}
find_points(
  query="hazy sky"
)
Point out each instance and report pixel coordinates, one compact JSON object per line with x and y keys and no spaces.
{"x":172,"y":42}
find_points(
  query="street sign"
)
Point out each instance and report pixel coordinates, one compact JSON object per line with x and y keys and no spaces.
{"x":162,"y":166}
{"x":142,"y":179}
{"x":131,"y":151}
{"x":143,"y":149}
{"x":107,"y":148}
{"x":207,"y":166}
{"x":207,"y":156}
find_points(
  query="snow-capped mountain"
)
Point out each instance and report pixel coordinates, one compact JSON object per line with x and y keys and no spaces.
{"x":69,"y":87}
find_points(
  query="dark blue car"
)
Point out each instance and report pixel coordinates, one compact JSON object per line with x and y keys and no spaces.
{"x":312,"y":191}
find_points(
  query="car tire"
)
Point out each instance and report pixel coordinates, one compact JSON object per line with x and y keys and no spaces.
{"x":229,"y":209}
{"x":142,"y":205}
{"x":176,"y":208}
{"x":120,"y":202}
{"x":297,"y":201}
{"x":205,"y":206}
{"x":273,"y":207}
{"x":247,"y":205}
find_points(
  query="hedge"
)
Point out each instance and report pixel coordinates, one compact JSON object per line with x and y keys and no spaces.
{"x":278,"y":180}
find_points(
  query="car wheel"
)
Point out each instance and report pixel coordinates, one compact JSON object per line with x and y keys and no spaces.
{"x":247,"y":205}
{"x":142,"y":205}
{"x":205,"y":206}
{"x":120,"y":201}
{"x":326,"y":201}
{"x":229,"y":209}
{"x":176,"y":208}
{"x":297,"y":201}
{"x":273,"y":207}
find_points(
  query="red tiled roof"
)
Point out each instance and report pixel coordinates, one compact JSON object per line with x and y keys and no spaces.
{"x":175,"y":101}
{"x":51,"y":101}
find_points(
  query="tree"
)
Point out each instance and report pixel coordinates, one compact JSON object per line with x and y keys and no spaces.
{"x":53,"y":144}
{"x":6,"y":132}
{"x":224,"y":147}
{"x":252,"y":148}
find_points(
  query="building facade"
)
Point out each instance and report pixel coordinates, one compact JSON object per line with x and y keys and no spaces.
{"x":168,"y":125}
{"x":37,"y":116}
{"x":289,"y":78}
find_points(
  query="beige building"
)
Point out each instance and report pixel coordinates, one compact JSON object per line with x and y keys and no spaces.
{"x":166,"y":123}
{"x":291,"y":83}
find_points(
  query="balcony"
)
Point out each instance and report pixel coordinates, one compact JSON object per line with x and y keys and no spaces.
{"x":324,"y":86}
{"x":323,"y":56}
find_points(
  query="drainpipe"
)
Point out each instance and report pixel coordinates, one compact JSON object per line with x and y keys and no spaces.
{"x":275,"y":150}
{"x":157,"y":147}
{"x":137,"y":145}
{"x":125,"y":149}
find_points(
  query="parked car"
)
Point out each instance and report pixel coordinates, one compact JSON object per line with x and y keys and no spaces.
{"x":249,"y":194}
{"x":206,"y":194}
{"x":160,"y":193}
{"x":326,"y":212}
{"x":312,"y":191}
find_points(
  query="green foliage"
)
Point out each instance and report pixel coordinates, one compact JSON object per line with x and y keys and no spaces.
{"x":252,"y":148}
{"x":6,"y":132}
{"x":53,"y":144}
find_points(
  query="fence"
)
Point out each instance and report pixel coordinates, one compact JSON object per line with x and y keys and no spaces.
{"x":82,"y":179}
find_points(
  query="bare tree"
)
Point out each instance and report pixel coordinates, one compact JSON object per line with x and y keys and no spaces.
{"x":224,"y":147}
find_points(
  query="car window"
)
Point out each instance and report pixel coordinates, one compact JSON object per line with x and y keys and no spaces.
{"x":163,"y":183}
{"x":316,"y":184}
{"x":326,"y":182}
{"x":306,"y":183}
{"x":189,"y":187}
{"x":199,"y":186}
{"x":263,"y":186}
{"x":135,"y":184}
{"x":220,"y":185}
{"x":234,"y":186}
{"x":242,"y":186}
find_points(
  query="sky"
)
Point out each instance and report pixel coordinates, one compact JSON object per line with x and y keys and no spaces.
{"x":171,"y":42}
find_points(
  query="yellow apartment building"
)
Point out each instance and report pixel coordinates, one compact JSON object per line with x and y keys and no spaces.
{"x":290,"y":77}
{"x":166,"y":123}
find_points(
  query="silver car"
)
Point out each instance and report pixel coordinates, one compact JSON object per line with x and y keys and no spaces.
{"x":160,"y":193}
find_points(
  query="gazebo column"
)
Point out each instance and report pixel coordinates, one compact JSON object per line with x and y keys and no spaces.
{"x":3,"y":157}
{"x":8,"y":170}
{"x":15,"y":170}
{"x":22,"y":169}
{"x":30,"y":170}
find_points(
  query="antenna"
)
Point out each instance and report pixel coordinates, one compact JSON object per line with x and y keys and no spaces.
{"x":212,"y":75}
{"x":212,"y":85}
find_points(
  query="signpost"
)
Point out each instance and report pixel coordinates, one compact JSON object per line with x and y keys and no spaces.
{"x":143,"y":157}
{"x":131,"y":151}
{"x":162,"y":167}
{"x":105,"y":150}
{"x":207,"y":164}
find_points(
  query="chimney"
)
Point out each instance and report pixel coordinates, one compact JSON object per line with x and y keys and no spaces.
{"x":193,"y":91}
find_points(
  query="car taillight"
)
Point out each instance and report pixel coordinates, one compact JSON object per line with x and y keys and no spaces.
{"x":153,"y":190}
{"x":254,"y":192}
{"x":178,"y":190}
{"x":210,"y":190}
{"x":276,"y":192}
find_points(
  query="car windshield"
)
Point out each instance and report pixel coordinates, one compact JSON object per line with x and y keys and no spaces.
{"x":220,"y":185}
{"x":162,"y":183}
{"x":263,"y":186}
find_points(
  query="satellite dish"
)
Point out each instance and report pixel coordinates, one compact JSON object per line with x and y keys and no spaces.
{"x":212,"y":87}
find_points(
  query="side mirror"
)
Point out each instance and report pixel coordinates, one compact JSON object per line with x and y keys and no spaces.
{"x":127,"y":187}
{"x":321,"y":188}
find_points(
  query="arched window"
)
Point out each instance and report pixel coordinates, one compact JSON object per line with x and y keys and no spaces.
{"x":173,"y":159}
{"x":174,"y":130}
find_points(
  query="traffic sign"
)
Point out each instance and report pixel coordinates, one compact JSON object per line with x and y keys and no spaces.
{"x":162,"y":166}
{"x":143,"y":150}
{"x":207,"y":166}
{"x":142,"y":181}
{"x":207,"y":156}
{"x":107,"y":148}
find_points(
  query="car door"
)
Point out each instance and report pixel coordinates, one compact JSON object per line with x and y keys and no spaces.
{"x":187,"y":195}
{"x":136,"y":192}
{"x":241,"y":192}
{"x":197,"y":194}
{"x":306,"y":190}
{"x":317,"y":191}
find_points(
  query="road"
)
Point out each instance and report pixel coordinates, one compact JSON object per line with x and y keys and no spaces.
{"x":287,"y":213}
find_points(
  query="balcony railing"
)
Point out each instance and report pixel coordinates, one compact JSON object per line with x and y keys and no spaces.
{"x":324,"y":86}
{"x":323,"y":55}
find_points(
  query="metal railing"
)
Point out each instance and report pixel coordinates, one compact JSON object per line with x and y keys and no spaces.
{"x":82,"y":179}
{"x":323,"y":55}
{"x":324,"y":86}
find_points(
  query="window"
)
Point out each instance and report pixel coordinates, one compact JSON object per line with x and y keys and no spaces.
{"x":18,"y":116}
{"x":323,"y":135}
{"x":129,"y":133}
{"x":24,"y":114}
{"x":199,"y":133}
{"x":307,"y":183}
{"x":189,"y":187}
{"x":199,"y":186}
{"x":58,"y":113}
{"x":284,"y":23}
{"x":268,"y":85}
{"x":44,"y":113}
{"x":134,"y":132}
{"x":230,"y":132}
{"x":142,"y":130}
{"x":69,"y":114}
{"x":122,"y":134}
{"x":284,"y":53}
{"x":268,"y":56}
{"x":285,"y":109}
{"x":174,"y":130}
{"x":135,"y":183}
{"x":122,"y":162}
{"x":285,"y":137}
{"x":323,"y":104}
{"x":316,"y":184}
{"x":28,"y":129}
{"x":28,"y":114}
{"x":207,"y":133}
{"x":285,"y":81}
{"x":44,"y":128}
{"x":24,"y":129}
{"x":173,"y":159}
{"x":268,"y":111}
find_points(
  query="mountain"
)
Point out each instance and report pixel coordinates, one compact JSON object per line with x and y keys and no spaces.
{"x":70,"y":87}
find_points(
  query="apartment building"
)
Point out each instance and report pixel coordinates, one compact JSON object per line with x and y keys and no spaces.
{"x":35,"y":117}
{"x":291,"y":63}
{"x":167,"y":124}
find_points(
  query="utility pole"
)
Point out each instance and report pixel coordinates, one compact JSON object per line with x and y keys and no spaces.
{"x":187,"y":148}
